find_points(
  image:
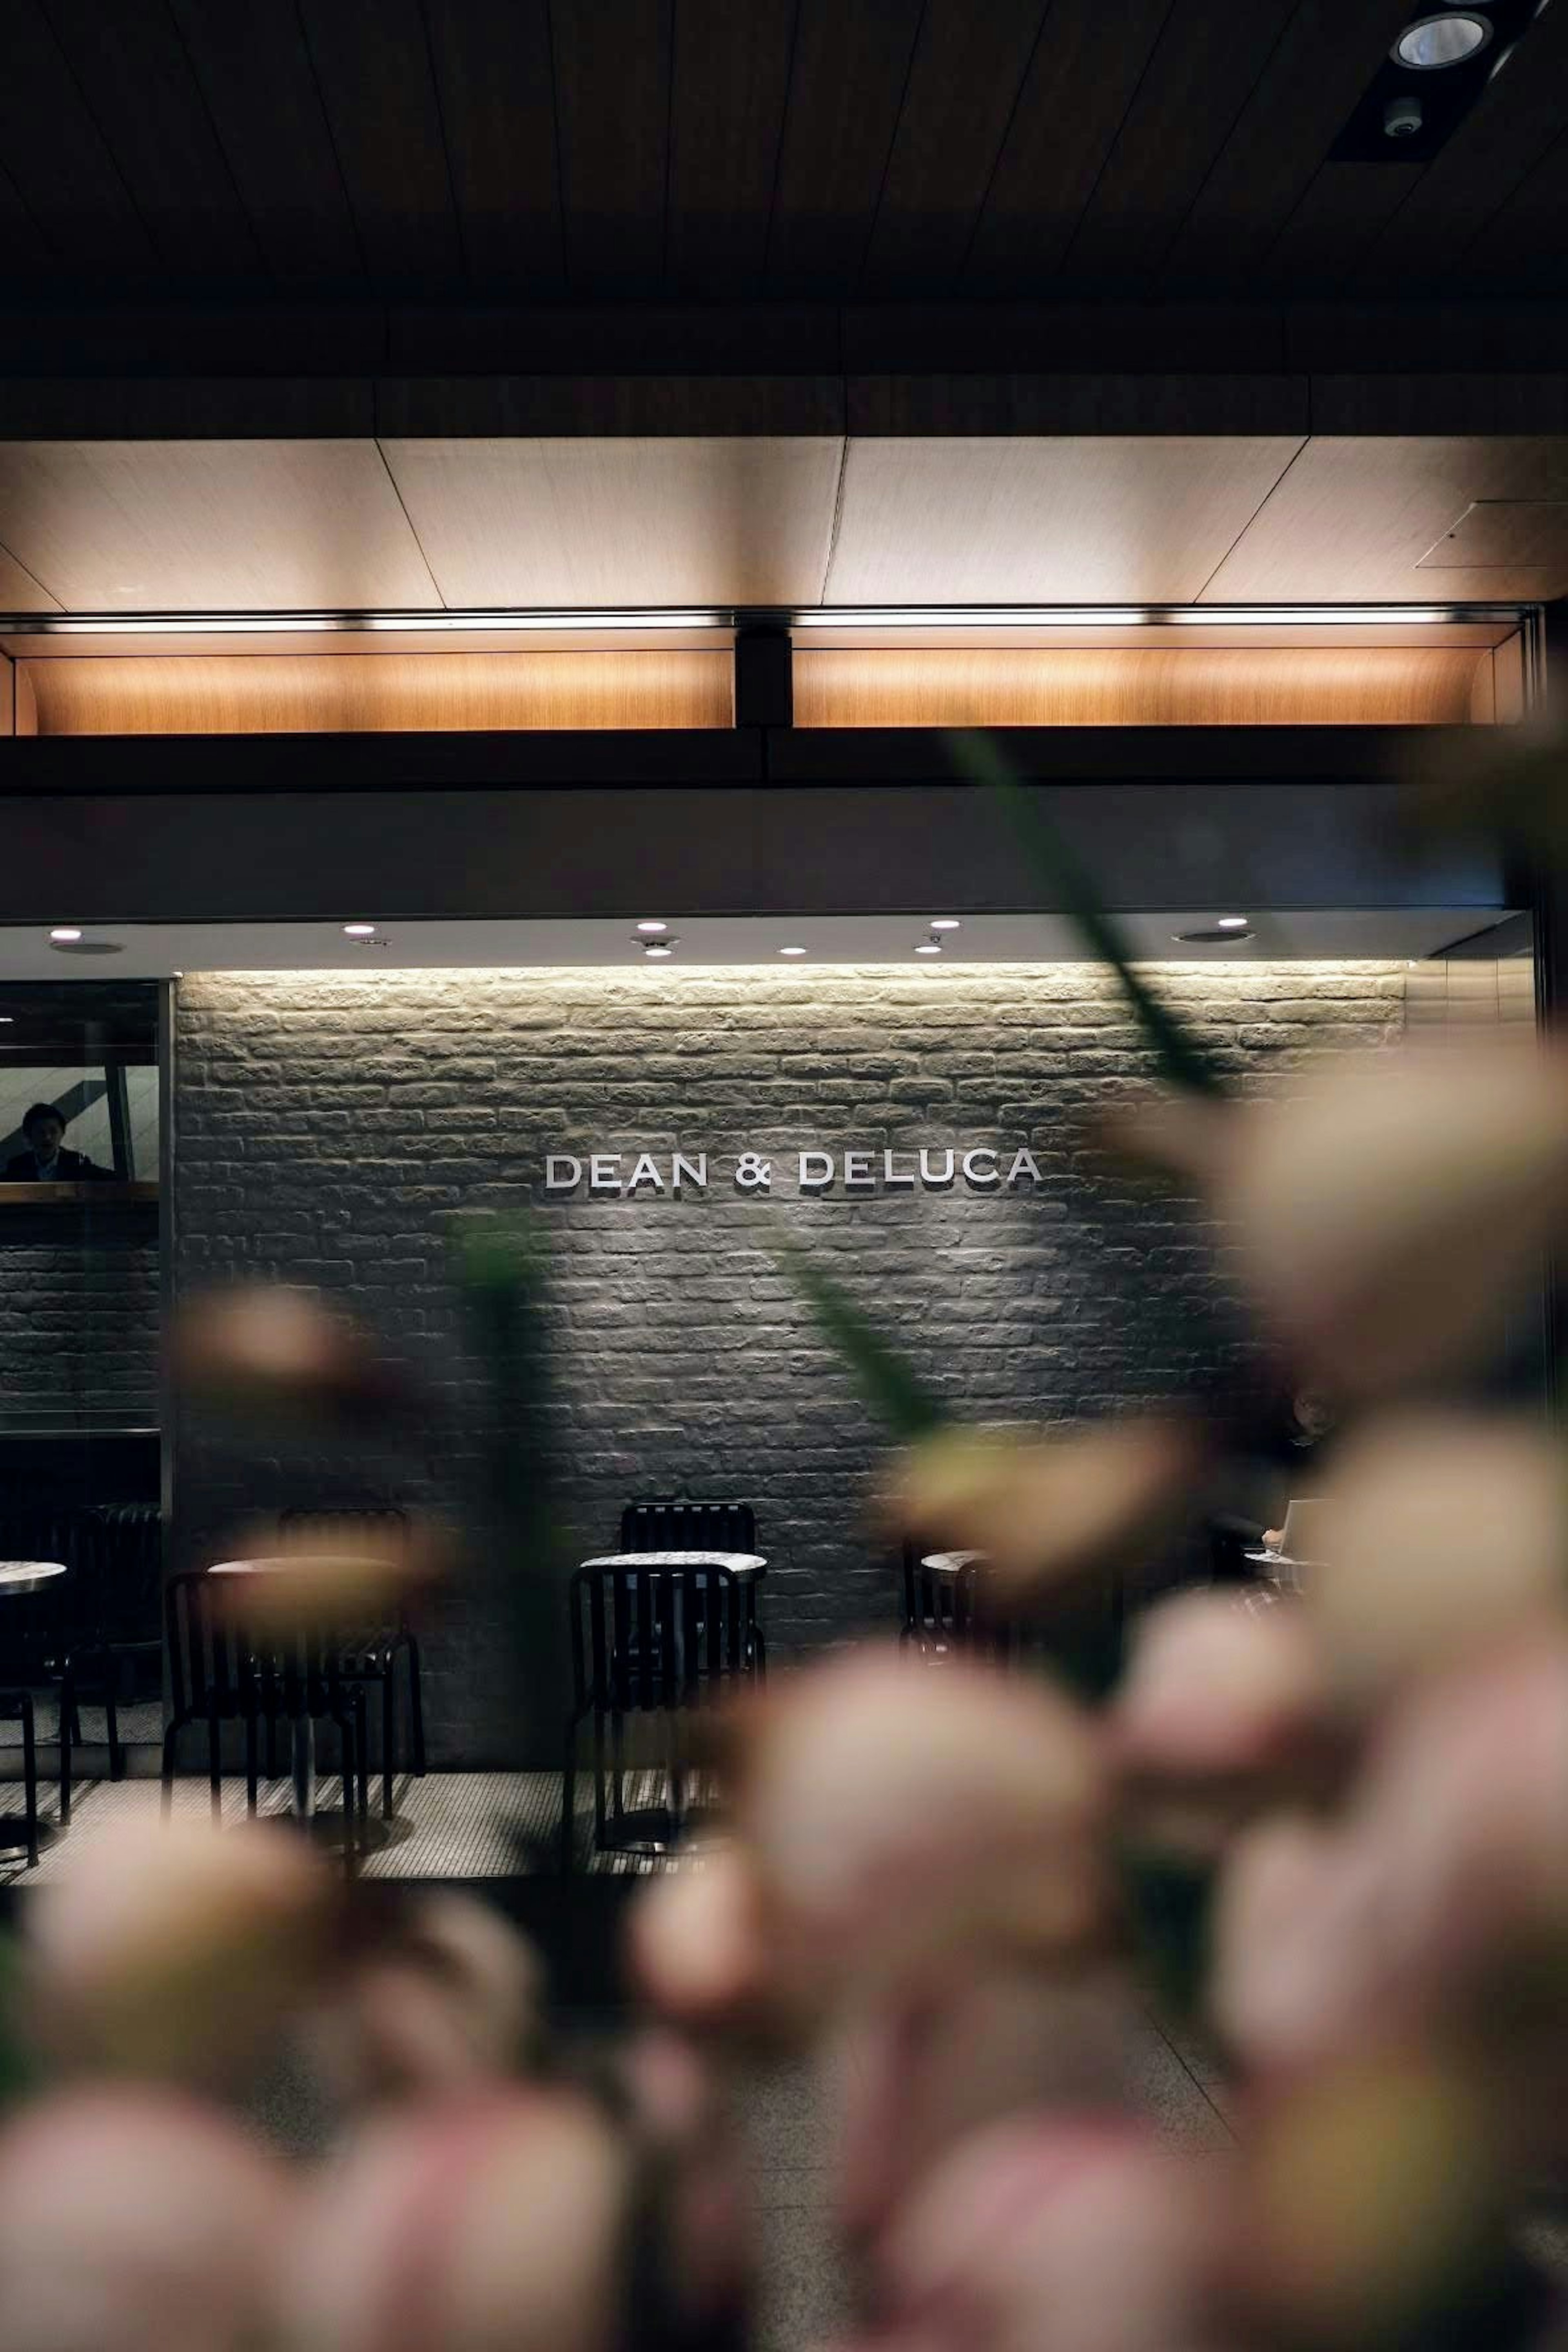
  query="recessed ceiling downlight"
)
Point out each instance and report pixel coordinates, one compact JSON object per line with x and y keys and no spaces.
{"x":1231,"y":923}
{"x":793,"y":952}
{"x":1433,"y":42}
{"x":1214,"y":935}
{"x":359,"y":931}
{"x":651,"y":929}
{"x":64,"y":935}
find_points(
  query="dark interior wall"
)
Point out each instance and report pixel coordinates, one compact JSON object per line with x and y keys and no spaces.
{"x":79,"y":1320}
{"x":330,"y":1128}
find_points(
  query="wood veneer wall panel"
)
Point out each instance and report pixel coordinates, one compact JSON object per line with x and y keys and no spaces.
{"x":1240,"y":686}
{"x":8,"y":695}
{"x":377,"y":693}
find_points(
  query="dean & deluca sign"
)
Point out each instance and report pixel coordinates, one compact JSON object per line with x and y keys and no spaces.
{"x":644,"y":1175}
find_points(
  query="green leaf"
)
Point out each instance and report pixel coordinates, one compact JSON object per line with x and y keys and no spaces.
{"x":1181,"y":1058}
{"x":886,"y":1380}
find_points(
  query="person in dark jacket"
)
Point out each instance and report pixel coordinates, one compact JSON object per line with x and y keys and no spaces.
{"x":46,"y":1159}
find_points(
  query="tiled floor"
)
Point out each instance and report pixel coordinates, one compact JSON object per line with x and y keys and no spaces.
{"x":448,"y":1825}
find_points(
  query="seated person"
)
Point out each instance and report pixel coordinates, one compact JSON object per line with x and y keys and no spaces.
{"x":46,"y":1159}
{"x":1288,"y":1445}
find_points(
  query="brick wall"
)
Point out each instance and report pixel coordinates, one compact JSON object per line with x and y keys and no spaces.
{"x":328,"y":1127}
{"x":78,"y":1323}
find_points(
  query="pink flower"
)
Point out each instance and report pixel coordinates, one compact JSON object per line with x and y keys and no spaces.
{"x":1071,"y":2233}
{"x":134,"y":2220}
{"x":269,"y":1352}
{"x":1446,"y":1883}
{"x":1449,"y":1529}
{"x":176,"y":1950}
{"x":696,"y":2167}
{"x":900,"y":1823}
{"x":494,"y":2224}
{"x":1047,"y":1507}
{"x":697,"y":1952}
{"x":1390,"y":1210}
{"x":435,"y":1998}
{"x":927,"y":2071}
{"x":1223,"y":1701}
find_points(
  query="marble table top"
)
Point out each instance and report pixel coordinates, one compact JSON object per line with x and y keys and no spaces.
{"x":739,"y":1563}
{"x":19,"y":1576}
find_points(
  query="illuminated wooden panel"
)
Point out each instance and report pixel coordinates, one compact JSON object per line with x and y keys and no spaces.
{"x":1278,"y":687}
{"x":329,"y":693}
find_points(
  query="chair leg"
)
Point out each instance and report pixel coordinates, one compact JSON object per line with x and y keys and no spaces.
{"x":67,"y":1701}
{"x":388,"y":1736}
{"x":30,"y":1778}
{"x":251,"y":1729}
{"x":362,"y":1748}
{"x":171,"y":1753}
{"x":415,"y":1706}
{"x":600,"y":1825}
{"x":272,"y":1743}
{"x":569,"y":1802}
{"x":215,"y":1766}
{"x":111,"y":1725}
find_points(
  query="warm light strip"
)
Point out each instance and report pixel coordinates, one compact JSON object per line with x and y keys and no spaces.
{"x":1124,"y":617}
{"x":819,"y":616}
{"x":246,"y":625}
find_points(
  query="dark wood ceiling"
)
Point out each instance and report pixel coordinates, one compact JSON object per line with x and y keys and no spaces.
{"x":751,"y":149}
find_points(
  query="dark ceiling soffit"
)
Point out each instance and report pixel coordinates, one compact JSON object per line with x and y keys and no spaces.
{"x":323,"y":371}
{"x":613,"y":851}
{"x":702,"y":757}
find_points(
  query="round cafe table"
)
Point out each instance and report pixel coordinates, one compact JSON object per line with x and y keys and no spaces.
{"x":19,"y":1579}
{"x":302,"y":1723}
{"x":1284,"y":1572}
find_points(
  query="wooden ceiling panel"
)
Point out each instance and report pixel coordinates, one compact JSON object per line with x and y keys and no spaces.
{"x":846,"y":87}
{"x":1526,"y":240}
{"x":197,"y":526}
{"x":261,"y":89}
{"x":626,"y":522}
{"x":1329,"y":52}
{"x":55,"y":155}
{"x":19,"y":592}
{"x":968,"y":69}
{"x":732,"y":69}
{"x":1451,"y":204}
{"x":1072,"y":104}
{"x":372,"y":64}
{"x":1045,"y":521}
{"x":493,"y":77}
{"x":1354,"y":516}
{"x":130,"y":65}
{"x":1177,"y":687}
{"x":1203,"y":68}
{"x":1322,"y":243}
{"x":612,"y":92}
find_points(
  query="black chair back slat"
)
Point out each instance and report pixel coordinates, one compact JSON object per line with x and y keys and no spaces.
{"x":685,"y":1523}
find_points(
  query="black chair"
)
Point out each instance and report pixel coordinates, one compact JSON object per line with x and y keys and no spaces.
{"x":116,"y":1555}
{"x":943,"y":1613}
{"x":369,"y":1654}
{"x":685,"y":1523}
{"x":18,"y":1706}
{"x":219,"y":1674}
{"x":649,"y":1642}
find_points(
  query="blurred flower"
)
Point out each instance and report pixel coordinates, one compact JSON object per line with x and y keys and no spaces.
{"x":497,"y":2223}
{"x":1223,"y":1703}
{"x":1075,"y":2232}
{"x":923,"y":2073}
{"x":900,"y":1823}
{"x":266,"y":1352}
{"x":1370,"y":2197}
{"x":1390,"y":1212}
{"x":175,"y":1950}
{"x":698,"y":2215}
{"x":1049,"y":1506}
{"x":436,"y":1995}
{"x":696,"y":1950}
{"x":1449,"y":1529}
{"x":134,"y":2220}
{"x":1445,"y":1885}
{"x":329,"y":1573}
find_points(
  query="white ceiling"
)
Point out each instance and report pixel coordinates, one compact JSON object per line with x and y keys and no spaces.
{"x":155,"y":950}
{"x":608,"y":523}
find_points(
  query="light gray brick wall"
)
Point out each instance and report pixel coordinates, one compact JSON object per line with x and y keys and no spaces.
{"x":329,"y":1127}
